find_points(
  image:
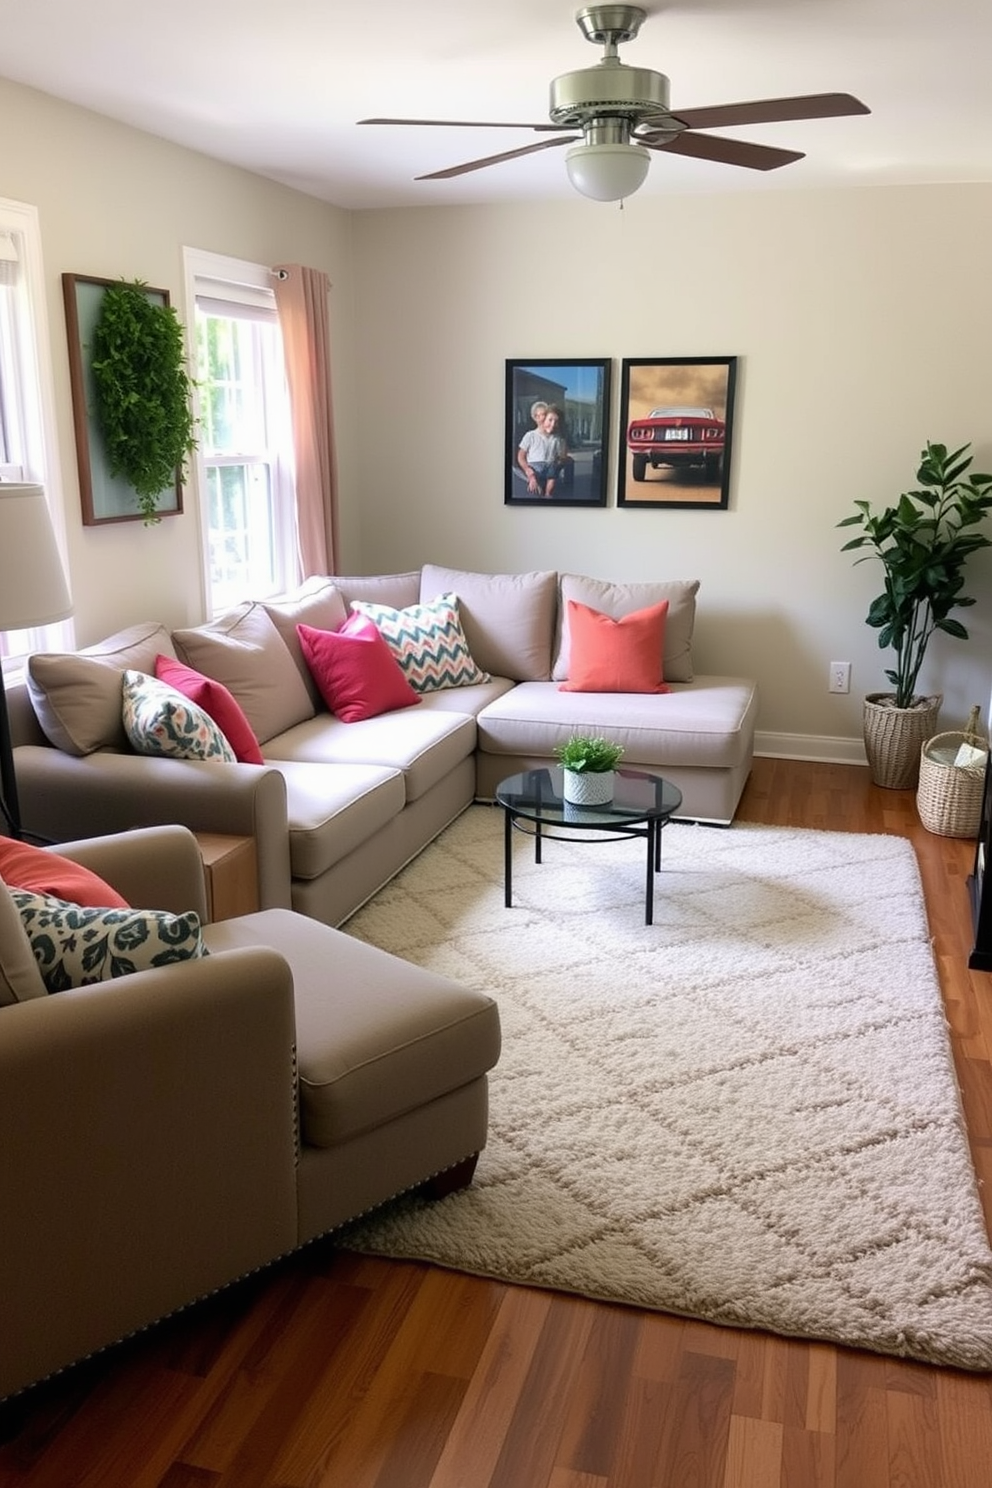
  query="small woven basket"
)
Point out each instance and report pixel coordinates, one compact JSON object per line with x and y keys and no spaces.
{"x":949,"y":795}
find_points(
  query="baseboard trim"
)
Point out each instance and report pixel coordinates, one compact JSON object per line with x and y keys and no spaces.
{"x":818,"y":748}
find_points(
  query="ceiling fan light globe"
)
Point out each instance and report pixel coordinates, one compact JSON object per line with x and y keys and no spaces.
{"x":607,"y":172}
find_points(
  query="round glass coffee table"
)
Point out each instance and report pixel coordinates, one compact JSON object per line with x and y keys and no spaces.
{"x":532,"y":803}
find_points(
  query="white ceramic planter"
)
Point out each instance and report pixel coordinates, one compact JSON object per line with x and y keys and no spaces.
{"x":583,"y":788}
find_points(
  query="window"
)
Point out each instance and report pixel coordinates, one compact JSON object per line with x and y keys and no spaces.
{"x":27,"y":401}
{"x":244,"y":438}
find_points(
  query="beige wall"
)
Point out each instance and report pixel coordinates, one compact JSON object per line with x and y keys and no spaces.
{"x":860,"y":319}
{"x":116,"y":203}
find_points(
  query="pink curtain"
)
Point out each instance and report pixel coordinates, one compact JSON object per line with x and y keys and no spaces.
{"x":301,"y":303}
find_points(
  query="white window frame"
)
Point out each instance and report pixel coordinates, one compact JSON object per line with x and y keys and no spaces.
{"x":238,"y":282}
{"x":29,"y":408}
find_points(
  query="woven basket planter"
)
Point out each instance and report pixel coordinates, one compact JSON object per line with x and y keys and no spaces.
{"x":894,"y":738}
{"x":949,"y":796}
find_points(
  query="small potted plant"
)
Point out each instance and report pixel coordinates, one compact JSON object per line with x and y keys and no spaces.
{"x":588,"y":764}
{"x":923,"y":544}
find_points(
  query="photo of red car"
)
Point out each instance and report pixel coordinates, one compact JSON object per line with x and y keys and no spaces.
{"x":676,"y":427}
{"x":677,"y":437}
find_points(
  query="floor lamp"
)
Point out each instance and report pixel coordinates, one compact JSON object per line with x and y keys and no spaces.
{"x":33,"y":591}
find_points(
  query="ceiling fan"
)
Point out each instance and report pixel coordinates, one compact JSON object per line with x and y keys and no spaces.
{"x":623,"y":113}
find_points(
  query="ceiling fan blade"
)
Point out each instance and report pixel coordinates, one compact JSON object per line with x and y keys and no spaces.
{"x":473,"y":165}
{"x":463,"y":124}
{"x":772,"y":111}
{"x":725,"y":151}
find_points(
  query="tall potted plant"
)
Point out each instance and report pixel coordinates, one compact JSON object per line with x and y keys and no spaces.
{"x":923,"y":544}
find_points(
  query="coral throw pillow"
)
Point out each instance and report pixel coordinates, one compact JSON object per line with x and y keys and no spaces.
{"x":217,"y":701}
{"x":610,"y":655}
{"x":357,"y":674}
{"x":24,"y":866}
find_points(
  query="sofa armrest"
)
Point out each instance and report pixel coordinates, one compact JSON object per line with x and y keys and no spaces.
{"x":149,"y":1150}
{"x":64,"y":797}
{"x":153,"y":867}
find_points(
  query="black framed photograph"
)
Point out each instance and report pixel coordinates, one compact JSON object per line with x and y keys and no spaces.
{"x":676,"y":423}
{"x":557,"y":431}
{"x":104,"y":497}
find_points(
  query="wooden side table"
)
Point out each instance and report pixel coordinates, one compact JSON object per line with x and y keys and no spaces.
{"x":231,"y":871}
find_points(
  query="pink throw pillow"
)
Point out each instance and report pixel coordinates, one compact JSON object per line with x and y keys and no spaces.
{"x":217,"y":702}
{"x":355,"y":671}
{"x":24,"y":866}
{"x":610,"y":655}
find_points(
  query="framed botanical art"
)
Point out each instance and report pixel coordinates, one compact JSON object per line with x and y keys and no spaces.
{"x":557,"y":416}
{"x":105,"y":497}
{"x":676,"y":425}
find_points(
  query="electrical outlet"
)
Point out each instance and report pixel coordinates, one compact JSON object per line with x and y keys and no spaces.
{"x":840,"y":676}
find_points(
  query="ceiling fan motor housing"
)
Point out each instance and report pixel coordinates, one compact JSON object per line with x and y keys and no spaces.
{"x":611,"y":88}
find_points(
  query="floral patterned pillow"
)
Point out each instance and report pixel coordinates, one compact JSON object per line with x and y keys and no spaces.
{"x":158,"y":719}
{"x":75,"y":946}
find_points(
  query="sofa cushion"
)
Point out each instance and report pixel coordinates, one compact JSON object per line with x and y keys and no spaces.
{"x":428,"y":642}
{"x":77,"y":695}
{"x":610,"y":655}
{"x":618,"y":600}
{"x":425,"y":744}
{"x":75,"y":946}
{"x":333,"y":812}
{"x":508,"y":618}
{"x":355,"y":670}
{"x":217,"y":702}
{"x":24,"y":866}
{"x":159,"y":720}
{"x":398,"y":590}
{"x":20,"y":979}
{"x":317,"y":602}
{"x":376,"y":1036}
{"x":244,"y":650}
{"x":707,"y":723}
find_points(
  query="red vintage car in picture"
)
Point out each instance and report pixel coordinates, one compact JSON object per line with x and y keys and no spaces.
{"x":677,"y":437}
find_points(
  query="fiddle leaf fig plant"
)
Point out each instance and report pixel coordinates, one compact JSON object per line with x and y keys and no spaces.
{"x":142,"y":392}
{"x":588,"y":755}
{"x":923,"y":544}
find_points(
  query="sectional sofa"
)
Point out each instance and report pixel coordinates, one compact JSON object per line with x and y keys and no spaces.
{"x":337,"y":808}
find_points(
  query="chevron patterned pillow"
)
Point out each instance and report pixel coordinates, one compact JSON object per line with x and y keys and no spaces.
{"x":428,"y":642}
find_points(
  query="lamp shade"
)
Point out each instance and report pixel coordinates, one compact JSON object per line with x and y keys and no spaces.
{"x":33,"y":589}
{"x":607,"y":172}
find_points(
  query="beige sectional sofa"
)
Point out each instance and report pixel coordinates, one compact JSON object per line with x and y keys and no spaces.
{"x":338,"y":808}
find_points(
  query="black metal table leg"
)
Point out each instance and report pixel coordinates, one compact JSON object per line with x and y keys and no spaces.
{"x":507,"y":857}
{"x":649,"y":885}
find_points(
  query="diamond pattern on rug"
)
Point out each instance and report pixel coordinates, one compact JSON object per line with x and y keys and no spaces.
{"x":746,"y":1112}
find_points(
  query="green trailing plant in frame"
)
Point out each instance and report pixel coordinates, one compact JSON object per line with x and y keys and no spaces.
{"x":142,"y":392}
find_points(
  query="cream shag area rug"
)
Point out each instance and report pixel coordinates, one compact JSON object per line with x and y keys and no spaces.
{"x":745,"y":1113}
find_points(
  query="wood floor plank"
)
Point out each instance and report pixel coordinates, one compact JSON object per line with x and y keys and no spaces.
{"x":754,"y":1453}
{"x":477,"y":1435}
{"x":589,"y":1441}
{"x":333,"y":1370}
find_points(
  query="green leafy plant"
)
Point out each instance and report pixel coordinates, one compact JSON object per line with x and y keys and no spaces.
{"x":142,"y":392}
{"x":592,"y":756}
{"x":923,"y":544}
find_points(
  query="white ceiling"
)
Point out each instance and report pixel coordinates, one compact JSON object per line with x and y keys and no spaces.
{"x":277,"y":86}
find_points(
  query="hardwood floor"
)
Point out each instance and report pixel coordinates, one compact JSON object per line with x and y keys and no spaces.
{"x":339,"y":1371}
